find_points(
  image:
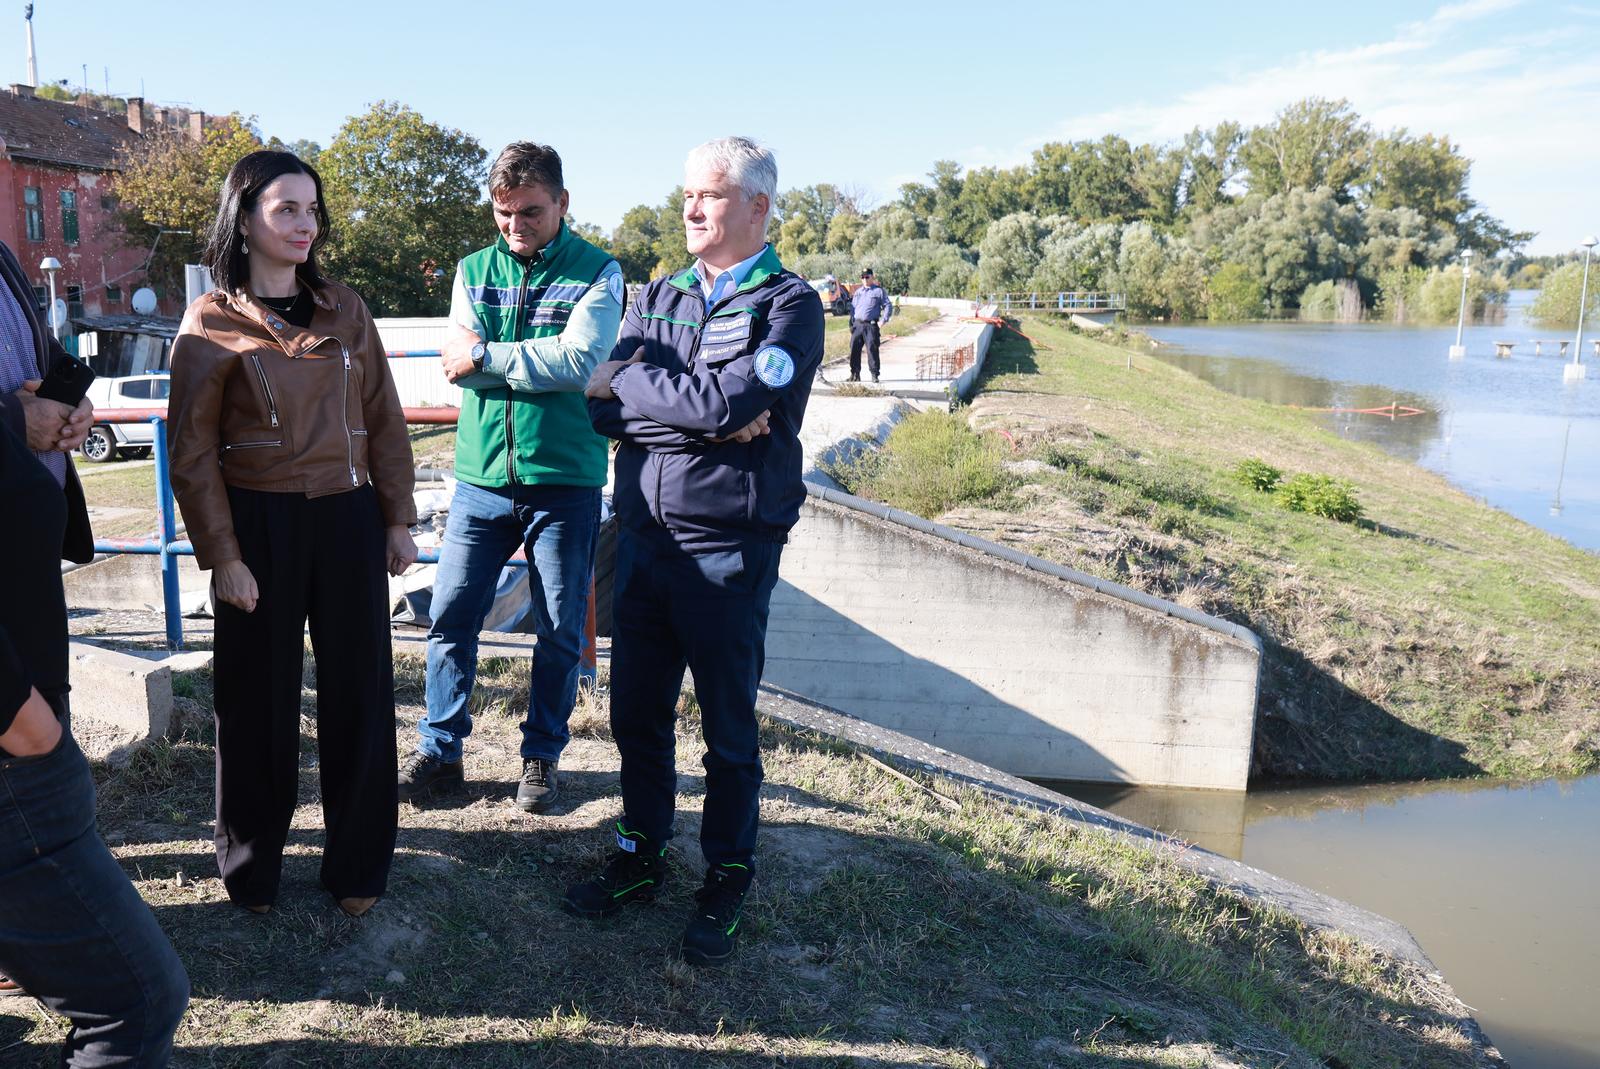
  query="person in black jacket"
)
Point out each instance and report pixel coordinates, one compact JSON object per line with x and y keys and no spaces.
{"x":705,"y":391}
{"x":74,"y":932}
{"x":27,"y":352}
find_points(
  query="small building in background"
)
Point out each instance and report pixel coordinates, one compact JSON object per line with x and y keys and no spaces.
{"x":57,"y":159}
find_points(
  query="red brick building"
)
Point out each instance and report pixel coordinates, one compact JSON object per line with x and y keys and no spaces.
{"x":56,"y":163}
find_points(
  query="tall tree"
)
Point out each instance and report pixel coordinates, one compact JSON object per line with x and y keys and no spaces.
{"x":1100,"y":181}
{"x":169,"y":186}
{"x":405,"y":194}
{"x":1313,"y":142}
{"x":1210,"y":162}
{"x":1426,"y":174}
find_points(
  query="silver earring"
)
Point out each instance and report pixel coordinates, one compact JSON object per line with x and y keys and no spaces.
{"x":244,"y":246}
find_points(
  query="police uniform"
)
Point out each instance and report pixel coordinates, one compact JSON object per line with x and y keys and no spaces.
{"x":869,"y":309}
{"x":702,"y":526}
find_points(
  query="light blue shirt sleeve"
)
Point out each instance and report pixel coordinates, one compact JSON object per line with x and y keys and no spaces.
{"x":561,"y":363}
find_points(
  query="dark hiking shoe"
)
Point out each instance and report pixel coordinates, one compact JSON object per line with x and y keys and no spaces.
{"x":538,"y":789}
{"x":713,"y":929}
{"x":636,"y":873}
{"x":421,"y":775}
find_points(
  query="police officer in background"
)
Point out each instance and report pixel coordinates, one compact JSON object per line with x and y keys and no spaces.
{"x":869,"y":310}
{"x":705,"y":392}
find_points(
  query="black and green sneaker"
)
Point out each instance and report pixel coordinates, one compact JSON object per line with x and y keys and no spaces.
{"x":714,"y":927}
{"x":635,"y":873}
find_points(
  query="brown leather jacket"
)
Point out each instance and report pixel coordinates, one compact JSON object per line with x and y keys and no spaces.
{"x":260,"y":404}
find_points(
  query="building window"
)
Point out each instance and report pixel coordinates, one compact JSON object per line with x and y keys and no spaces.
{"x":108,"y":203}
{"x":113,"y":294}
{"x":69,"y":216}
{"x":33,"y":209}
{"x":40,"y":297}
{"x":75,"y":301}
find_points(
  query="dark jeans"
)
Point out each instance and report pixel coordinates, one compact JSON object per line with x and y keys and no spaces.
{"x":73,"y":931}
{"x":707,"y":612}
{"x":863,"y":334}
{"x":556,"y":526}
{"x":320,"y":559}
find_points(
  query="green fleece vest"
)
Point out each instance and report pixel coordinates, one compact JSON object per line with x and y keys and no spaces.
{"x":505,"y":437}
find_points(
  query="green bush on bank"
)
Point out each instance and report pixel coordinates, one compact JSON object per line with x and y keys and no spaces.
{"x":1320,"y":495}
{"x":1258,"y":475}
{"x":931,"y":464}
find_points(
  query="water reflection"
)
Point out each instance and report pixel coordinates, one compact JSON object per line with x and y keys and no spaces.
{"x":1495,"y":427}
{"x":1499,"y":882}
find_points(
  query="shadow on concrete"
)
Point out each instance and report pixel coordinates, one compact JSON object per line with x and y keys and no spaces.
{"x":884,"y":684}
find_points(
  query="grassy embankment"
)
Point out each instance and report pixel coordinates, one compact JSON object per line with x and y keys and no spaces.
{"x":1437,"y":637}
{"x":893,"y":925}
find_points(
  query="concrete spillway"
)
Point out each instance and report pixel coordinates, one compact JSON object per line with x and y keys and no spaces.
{"x":1004,"y":658}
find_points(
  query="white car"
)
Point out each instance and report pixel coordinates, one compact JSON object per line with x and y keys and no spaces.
{"x":107,"y":441}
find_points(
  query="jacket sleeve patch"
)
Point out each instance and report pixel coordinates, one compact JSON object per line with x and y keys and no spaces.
{"x":774,"y":367}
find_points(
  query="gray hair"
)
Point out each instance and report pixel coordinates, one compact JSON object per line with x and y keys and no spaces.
{"x":748,"y":164}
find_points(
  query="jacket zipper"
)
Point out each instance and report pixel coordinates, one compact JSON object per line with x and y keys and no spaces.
{"x":272,"y":404}
{"x":344,"y":414}
{"x":516,"y":333}
{"x":251,"y":445}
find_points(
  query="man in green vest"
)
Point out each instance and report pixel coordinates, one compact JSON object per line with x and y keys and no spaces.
{"x":531,"y":317}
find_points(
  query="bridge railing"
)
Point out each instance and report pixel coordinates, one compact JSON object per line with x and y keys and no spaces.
{"x":1065,"y":301}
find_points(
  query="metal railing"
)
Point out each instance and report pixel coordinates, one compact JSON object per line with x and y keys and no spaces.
{"x":169,"y":547}
{"x":1066,"y":301}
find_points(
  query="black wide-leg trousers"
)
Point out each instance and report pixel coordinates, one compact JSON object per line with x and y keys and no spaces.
{"x":319,"y":559}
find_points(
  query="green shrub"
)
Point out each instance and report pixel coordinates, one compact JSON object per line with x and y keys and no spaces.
{"x":1321,"y":495}
{"x":933,"y":463}
{"x":1258,"y":475}
{"x":1235,"y":293}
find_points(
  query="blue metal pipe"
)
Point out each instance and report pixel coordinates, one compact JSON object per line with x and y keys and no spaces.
{"x":168,"y":525}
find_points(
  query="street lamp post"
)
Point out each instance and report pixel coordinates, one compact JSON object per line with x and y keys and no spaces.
{"x":50,"y":265}
{"x":1459,"y":351}
{"x":1577,"y":369}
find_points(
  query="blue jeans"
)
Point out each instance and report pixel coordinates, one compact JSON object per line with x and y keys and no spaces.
{"x":73,"y":931}
{"x":557,"y":526}
{"x":707,"y":612}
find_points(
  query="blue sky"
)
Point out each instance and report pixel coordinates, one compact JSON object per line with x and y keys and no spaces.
{"x":870,"y":95}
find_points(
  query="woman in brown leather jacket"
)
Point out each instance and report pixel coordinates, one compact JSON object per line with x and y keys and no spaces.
{"x":293,"y":470}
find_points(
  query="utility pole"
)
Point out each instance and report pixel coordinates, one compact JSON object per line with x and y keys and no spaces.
{"x":33,"y":66}
{"x":1577,"y":369}
{"x":1458,"y":351}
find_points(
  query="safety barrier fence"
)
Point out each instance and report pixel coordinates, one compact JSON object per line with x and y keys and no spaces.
{"x":1069,"y":301}
{"x":169,"y":547}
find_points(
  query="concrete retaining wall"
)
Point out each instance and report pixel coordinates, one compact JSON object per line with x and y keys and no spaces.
{"x":1007,"y":659}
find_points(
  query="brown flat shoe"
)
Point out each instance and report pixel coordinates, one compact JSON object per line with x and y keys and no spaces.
{"x":259,"y":909}
{"x":355,"y":907}
{"x":9,"y":986}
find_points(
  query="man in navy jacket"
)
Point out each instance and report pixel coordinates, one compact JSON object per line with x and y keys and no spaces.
{"x":705,"y":391}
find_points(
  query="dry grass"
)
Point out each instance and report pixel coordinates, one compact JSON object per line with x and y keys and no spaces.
{"x":886,"y":929}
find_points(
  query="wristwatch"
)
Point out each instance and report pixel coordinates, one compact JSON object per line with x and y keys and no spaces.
{"x":479,"y":352}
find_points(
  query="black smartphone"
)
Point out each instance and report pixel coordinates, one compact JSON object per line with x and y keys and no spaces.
{"x":67,"y":381}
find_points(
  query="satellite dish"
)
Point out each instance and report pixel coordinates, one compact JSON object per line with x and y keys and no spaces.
{"x":58,"y":314}
{"x":144,"y":300}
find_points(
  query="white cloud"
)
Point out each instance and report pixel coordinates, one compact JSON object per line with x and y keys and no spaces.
{"x":1519,"y":102}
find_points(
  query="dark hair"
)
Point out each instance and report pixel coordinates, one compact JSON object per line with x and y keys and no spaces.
{"x":525,"y":163}
{"x":225,"y":246}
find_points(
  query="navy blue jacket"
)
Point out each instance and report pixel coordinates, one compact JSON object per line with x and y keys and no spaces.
{"x":705,"y":374}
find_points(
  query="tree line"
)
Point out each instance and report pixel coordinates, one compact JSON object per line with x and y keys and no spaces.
{"x":1315,"y":211}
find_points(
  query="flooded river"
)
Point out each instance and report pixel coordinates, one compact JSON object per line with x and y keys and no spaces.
{"x":1499,"y":882}
{"x":1509,"y":431}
